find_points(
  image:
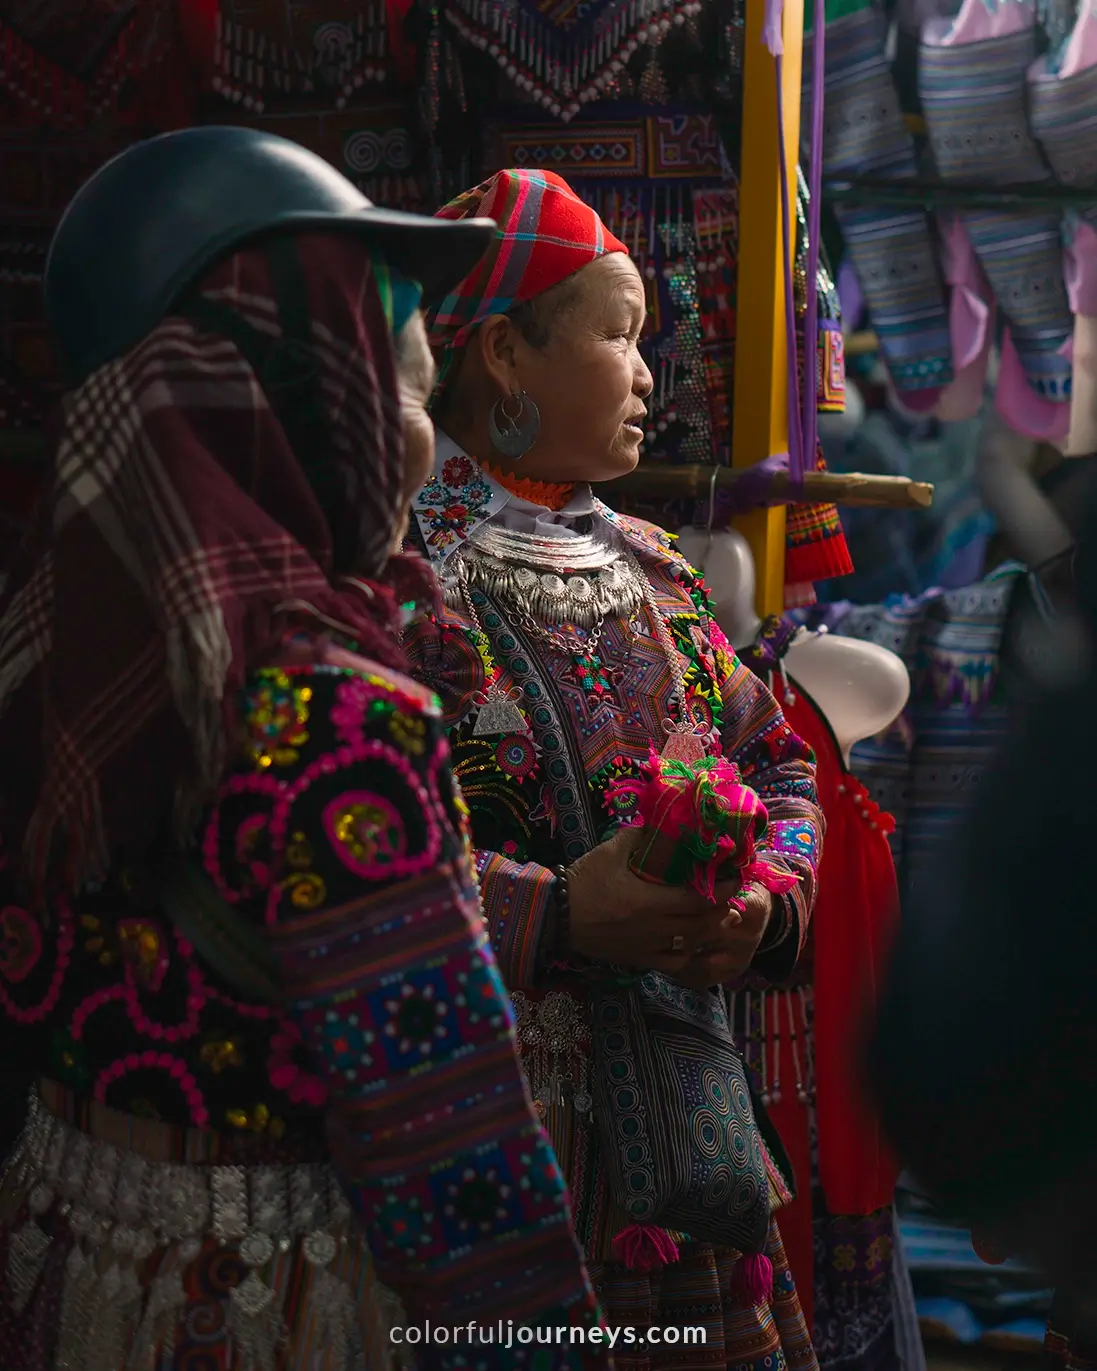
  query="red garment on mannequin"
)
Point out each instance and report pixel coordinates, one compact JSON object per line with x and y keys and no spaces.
{"x":811,"y":1029}
{"x":855,"y":916}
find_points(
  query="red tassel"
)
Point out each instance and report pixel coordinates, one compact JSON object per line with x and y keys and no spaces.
{"x":752,"y":1279}
{"x":644,"y":1248}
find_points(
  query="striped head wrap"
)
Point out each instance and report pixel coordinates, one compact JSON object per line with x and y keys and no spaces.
{"x":182,"y":534}
{"x":545,"y":234}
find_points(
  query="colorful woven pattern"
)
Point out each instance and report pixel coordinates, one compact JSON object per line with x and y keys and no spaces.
{"x":890,"y":249}
{"x":565,"y":52}
{"x":342,"y":836}
{"x":815,"y":542}
{"x":553,"y":798}
{"x":545,"y":234}
{"x":1062,"y":112}
{"x":701,"y":825}
{"x":268,"y":49}
{"x":815,"y":547}
{"x":974,"y":99}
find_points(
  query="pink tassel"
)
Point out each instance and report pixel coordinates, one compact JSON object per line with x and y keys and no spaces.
{"x":752,"y":1279}
{"x":644,"y":1248}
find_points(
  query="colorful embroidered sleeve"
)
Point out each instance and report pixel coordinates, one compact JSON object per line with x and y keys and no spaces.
{"x":347,"y":836}
{"x":517,"y":897}
{"x":780,"y":767}
{"x":516,"y":892}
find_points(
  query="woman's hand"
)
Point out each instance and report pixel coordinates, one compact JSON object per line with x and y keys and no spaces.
{"x":617,"y":917}
{"x":740,"y":942}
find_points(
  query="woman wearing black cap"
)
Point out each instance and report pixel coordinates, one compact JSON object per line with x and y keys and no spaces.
{"x":241,"y":943}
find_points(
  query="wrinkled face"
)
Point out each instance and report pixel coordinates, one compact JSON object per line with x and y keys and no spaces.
{"x":415,"y":373}
{"x":587,"y":377}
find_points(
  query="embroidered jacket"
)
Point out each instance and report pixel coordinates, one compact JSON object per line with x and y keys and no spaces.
{"x":538,"y":798}
{"x":343,"y":836}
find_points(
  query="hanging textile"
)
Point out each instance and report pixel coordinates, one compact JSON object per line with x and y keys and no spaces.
{"x":377,"y":145}
{"x":816,"y":548}
{"x":64,"y":64}
{"x":891,"y":250}
{"x":565,"y":54}
{"x":971,"y":79}
{"x":265,"y":49}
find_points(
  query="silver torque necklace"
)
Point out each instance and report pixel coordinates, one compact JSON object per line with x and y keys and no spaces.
{"x":580,"y":581}
{"x":499,"y":713}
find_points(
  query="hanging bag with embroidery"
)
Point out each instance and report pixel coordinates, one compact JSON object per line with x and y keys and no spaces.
{"x":682,"y":1137}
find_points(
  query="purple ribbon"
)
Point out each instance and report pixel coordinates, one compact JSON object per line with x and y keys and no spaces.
{"x":815,"y":216}
{"x":754,"y":486}
{"x":850,"y":296}
{"x":803,"y":420}
{"x":795,"y":436}
{"x":771,"y":27}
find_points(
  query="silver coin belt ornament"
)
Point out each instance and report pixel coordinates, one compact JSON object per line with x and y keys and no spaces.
{"x":121,"y":1208}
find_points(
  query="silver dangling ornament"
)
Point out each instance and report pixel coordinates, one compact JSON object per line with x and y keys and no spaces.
{"x":685,"y":742}
{"x":498,"y":715}
{"x":513,"y":435}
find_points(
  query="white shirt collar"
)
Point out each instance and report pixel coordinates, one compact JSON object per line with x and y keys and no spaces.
{"x":459,"y":497}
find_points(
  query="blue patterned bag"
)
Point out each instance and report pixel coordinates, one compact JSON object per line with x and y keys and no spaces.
{"x":681,"y":1136}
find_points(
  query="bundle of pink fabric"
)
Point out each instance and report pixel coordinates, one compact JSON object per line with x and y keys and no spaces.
{"x":701,"y":824}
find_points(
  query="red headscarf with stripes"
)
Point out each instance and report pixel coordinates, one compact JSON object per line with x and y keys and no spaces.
{"x":544,"y":234}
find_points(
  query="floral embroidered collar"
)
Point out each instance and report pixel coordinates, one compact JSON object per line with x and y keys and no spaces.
{"x":460,"y":496}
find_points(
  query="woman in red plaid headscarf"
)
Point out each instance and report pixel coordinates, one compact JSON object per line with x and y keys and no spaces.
{"x":241,"y":941}
{"x":572,"y":640}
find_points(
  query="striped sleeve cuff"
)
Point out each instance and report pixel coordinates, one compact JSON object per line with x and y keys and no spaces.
{"x":517,"y":898}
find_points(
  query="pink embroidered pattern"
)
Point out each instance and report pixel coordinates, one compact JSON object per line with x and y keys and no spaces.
{"x":164,"y":1062}
{"x":287,"y":1074}
{"x":66,"y":938}
{"x":20,"y":944}
{"x":248,"y":784}
{"x":361,"y":750}
{"x":366,"y":833}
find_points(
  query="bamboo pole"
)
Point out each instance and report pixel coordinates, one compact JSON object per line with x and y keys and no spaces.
{"x":851,"y":489}
{"x":761,"y":378}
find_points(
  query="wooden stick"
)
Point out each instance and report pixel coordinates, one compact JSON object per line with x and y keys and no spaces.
{"x":858,"y":344}
{"x":820,"y":487}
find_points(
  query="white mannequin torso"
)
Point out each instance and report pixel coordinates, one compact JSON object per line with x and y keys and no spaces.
{"x":861,"y":688}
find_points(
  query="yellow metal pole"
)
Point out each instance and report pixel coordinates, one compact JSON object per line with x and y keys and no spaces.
{"x":761,"y":376}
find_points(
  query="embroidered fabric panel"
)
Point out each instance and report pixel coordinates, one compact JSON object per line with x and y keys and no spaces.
{"x":527,"y":808}
{"x":395,"y":996}
{"x":343,"y":835}
{"x":779,"y":765}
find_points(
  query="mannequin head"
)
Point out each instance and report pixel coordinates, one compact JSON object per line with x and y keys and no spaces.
{"x":725,"y":559}
{"x":861,"y":688}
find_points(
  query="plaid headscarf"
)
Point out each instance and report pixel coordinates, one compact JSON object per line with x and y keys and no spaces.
{"x":545,"y":234}
{"x":180,"y":537}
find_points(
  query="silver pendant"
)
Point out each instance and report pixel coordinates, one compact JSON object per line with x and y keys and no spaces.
{"x":26,"y":1258}
{"x":686,"y":748}
{"x":255,"y":1323}
{"x":499,"y":716}
{"x":167,"y":1300}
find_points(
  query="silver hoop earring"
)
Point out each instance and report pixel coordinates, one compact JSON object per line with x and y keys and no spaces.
{"x":513,"y":435}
